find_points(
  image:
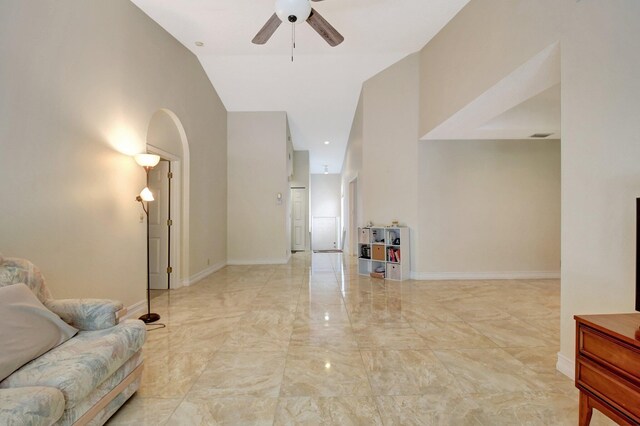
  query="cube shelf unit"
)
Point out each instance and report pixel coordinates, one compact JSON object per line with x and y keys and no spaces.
{"x":384,"y":247}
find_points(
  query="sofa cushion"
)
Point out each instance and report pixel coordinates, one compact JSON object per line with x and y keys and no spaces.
{"x":79,"y":365}
{"x":14,"y":270}
{"x":28,"y":329}
{"x":33,"y":406}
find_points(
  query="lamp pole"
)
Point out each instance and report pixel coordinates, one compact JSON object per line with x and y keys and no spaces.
{"x":149,"y":317}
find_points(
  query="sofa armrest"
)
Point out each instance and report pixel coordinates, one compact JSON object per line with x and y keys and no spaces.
{"x":31,"y":406}
{"x":86,"y":314}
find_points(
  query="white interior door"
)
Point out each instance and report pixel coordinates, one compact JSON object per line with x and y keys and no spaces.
{"x":324,"y":233}
{"x":299,"y":216}
{"x":158,"y":226}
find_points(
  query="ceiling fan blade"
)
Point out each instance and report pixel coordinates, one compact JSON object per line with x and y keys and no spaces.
{"x":324,"y":28}
{"x":267,"y":31}
{"x":316,"y":0}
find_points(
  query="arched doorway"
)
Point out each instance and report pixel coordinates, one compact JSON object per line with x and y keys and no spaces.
{"x":169,"y":216}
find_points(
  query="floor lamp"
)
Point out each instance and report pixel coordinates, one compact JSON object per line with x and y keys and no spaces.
{"x":148,"y":161}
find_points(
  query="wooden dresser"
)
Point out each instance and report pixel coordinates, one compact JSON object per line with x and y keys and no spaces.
{"x":608,"y":367}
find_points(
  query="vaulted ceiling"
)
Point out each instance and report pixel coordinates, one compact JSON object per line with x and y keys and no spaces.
{"x":320,"y":89}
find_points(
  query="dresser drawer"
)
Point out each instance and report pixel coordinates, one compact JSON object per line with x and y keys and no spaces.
{"x":605,"y":350}
{"x":619,"y":393}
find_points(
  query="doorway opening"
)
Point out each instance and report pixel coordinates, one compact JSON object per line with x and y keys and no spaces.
{"x":299,"y":215}
{"x":169,"y":214}
{"x":326,"y":211}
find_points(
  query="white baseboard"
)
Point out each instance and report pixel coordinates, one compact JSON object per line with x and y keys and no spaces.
{"x":566,"y":366}
{"x":203,"y":274}
{"x":134,"y":311}
{"x":280,"y":261}
{"x":515,"y":275}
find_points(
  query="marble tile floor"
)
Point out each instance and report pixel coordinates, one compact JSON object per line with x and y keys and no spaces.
{"x":313,"y":342}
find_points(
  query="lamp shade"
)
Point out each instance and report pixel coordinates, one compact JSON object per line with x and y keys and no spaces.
{"x":147,"y":160}
{"x":146,"y":195}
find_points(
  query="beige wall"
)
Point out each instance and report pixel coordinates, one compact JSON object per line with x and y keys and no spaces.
{"x":489,"y":207}
{"x":390,"y":148}
{"x":600,"y":41}
{"x":600,"y":167}
{"x":352,"y":169}
{"x":163,"y":133}
{"x":325,"y":195}
{"x":80,"y":81}
{"x":485,"y":41}
{"x":300,"y":169}
{"x":431,"y":187}
{"x":383,"y":150}
{"x":287,"y":193}
{"x":257,"y":166}
{"x":289,"y":154}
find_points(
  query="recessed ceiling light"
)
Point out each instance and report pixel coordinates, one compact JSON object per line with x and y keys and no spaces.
{"x":199,"y":43}
{"x":327,"y":142}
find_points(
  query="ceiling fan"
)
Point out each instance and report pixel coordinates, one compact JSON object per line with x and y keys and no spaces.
{"x":297,"y":11}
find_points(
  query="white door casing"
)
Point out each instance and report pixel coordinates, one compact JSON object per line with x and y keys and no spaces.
{"x":299,"y":216}
{"x":158,"y":226}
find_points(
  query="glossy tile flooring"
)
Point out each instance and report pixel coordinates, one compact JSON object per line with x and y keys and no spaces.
{"x":312,"y":342}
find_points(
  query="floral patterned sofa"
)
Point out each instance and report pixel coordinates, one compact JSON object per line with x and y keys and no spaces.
{"x":84,"y":380}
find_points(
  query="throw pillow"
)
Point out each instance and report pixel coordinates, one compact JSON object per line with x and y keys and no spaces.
{"x":28,"y":329}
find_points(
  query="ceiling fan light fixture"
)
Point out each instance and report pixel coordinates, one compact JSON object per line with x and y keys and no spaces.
{"x":294,"y":11}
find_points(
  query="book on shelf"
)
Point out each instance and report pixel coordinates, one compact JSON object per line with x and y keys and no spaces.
{"x":393,"y":255}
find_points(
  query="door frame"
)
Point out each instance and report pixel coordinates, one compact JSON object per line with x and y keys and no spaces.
{"x":176,"y":214}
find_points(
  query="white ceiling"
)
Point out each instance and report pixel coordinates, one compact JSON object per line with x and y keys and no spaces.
{"x":320,"y":90}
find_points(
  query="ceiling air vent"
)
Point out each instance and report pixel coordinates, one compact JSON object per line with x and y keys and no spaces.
{"x":540,"y":135}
